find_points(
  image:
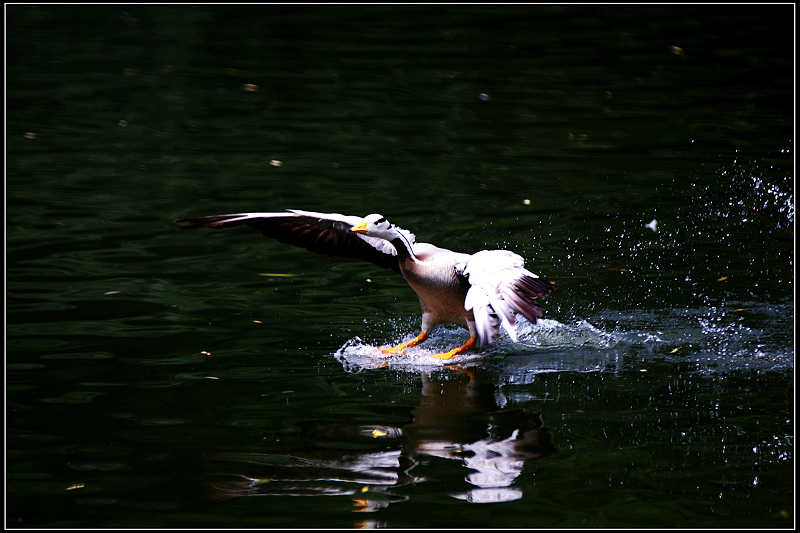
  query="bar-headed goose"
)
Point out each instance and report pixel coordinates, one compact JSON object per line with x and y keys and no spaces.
{"x":479,"y":292}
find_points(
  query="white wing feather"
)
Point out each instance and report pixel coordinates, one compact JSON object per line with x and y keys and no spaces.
{"x":491,"y":274}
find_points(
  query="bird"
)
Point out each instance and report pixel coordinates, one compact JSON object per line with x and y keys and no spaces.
{"x":481,"y":292}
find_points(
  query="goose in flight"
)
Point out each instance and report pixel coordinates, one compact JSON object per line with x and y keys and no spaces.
{"x":480,"y":291}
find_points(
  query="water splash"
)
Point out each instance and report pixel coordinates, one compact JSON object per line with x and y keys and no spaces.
{"x":723,"y":339}
{"x":738,"y":335}
{"x":548,"y":339}
{"x":736,"y":224}
{"x":551,"y":334}
{"x":710,"y":339}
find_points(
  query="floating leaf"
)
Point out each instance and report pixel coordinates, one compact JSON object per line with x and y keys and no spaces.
{"x":257,"y":322}
{"x":723,"y":278}
{"x":378,"y":433}
{"x":674,"y":350}
{"x":76,"y":486}
{"x":205,"y":352}
{"x":109,"y":293}
{"x":277,"y":275}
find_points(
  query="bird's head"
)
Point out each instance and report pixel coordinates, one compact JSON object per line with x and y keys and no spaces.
{"x":375,"y":225}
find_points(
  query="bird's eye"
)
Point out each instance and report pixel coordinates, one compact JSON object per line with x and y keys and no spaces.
{"x":381,"y":220}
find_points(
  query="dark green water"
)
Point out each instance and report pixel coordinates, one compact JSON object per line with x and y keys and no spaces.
{"x":163,"y":378}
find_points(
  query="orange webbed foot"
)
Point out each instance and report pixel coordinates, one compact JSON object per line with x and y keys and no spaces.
{"x":455,"y":351}
{"x":401,"y":348}
{"x":397,"y":349}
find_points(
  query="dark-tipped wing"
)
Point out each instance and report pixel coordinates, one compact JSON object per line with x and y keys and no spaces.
{"x":324,"y":233}
{"x":499,"y":287}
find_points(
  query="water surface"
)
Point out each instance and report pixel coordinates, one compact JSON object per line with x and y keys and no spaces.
{"x":163,"y":378}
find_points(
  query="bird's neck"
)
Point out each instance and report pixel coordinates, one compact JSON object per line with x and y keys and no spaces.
{"x":403,"y":246}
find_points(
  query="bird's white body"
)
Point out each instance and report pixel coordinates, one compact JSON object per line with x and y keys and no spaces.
{"x":433,"y":276}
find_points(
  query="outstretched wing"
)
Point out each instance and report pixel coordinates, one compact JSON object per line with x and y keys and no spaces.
{"x":324,"y":233}
{"x":499,"y":287}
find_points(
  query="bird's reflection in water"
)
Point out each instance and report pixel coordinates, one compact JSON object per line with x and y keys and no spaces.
{"x":457,"y":419}
{"x":460,"y":420}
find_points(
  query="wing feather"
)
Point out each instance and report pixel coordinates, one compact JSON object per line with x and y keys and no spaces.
{"x":499,"y":287}
{"x":323,"y":233}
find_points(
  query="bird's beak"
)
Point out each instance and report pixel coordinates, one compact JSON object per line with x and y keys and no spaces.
{"x":360,"y":228}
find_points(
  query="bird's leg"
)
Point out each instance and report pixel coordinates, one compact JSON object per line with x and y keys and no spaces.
{"x":400,"y":348}
{"x":463,"y":348}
